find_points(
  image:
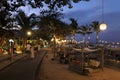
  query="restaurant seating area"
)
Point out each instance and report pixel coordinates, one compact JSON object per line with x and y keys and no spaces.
{"x":88,"y":59}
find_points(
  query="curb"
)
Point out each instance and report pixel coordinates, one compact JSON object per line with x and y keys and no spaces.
{"x":38,"y":66}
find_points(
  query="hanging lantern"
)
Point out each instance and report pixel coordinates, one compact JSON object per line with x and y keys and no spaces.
{"x":103,"y":26}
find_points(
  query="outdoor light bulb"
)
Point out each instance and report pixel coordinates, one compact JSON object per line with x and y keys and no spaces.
{"x":11,"y":40}
{"x":29,"y":33}
{"x":103,"y":26}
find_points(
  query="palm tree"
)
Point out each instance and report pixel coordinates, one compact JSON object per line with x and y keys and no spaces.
{"x":89,"y":31}
{"x":27,"y":23}
{"x":96,"y":28}
{"x":83,"y":31}
{"x":74,"y":27}
{"x":53,"y":28}
{"x":50,"y":20}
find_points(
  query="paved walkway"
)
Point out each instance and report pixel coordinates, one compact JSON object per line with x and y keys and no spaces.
{"x":24,"y":69}
{"x":53,"y":70}
{"x":5,"y":60}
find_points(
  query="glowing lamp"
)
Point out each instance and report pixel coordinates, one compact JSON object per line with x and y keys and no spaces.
{"x":28,"y":33}
{"x":103,"y":26}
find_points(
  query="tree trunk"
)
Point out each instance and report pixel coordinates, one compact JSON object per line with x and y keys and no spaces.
{"x":54,"y":47}
{"x":24,"y":44}
{"x":88,"y":38}
{"x":97,"y":38}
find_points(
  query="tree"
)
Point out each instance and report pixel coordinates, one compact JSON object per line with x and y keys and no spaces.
{"x":27,"y":23}
{"x":4,"y":36}
{"x":89,"y":31}
{"x":5,"y":25}
{"x":74,"y":27}
{"x":50,"y":21}
{"x":95,"y":25}
{"x":51,"y":4}
{"x":7,"y":6}
{"x":3,"y":17}
{"x":13,"y":5}
{"x":83,"y":31}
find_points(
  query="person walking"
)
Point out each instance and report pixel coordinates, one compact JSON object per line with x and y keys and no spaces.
{"x":32,"y":55}
{"x":38,"y":46}
{"x":11,"y":53}
{"x":28,"y":49}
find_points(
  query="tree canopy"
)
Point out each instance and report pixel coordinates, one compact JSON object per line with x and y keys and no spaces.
{"x":51,"y":4}
{"x":51,"y":23}
{"x":7,"y":7}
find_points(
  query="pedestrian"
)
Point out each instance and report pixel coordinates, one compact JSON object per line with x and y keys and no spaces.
{"x":32,"y":55}
{"x":11,"y":53}
{"x":28,"y":49}
{"x":38,"y":46}
{"x":15,"y":47}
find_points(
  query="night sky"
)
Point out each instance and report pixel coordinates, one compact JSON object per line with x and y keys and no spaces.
{"x":87,"y":12}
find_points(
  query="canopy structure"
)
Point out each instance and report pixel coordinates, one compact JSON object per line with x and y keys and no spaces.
{"x":85,"y":50}
{"x":86,"y":60}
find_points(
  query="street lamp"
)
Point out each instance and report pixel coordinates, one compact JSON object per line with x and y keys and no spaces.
{"x":29,"y":33}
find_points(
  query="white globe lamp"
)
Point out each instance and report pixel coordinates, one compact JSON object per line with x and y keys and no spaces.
{"x":103,"y":26}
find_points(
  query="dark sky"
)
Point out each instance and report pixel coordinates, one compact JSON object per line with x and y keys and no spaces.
{"x":86,"y":12}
